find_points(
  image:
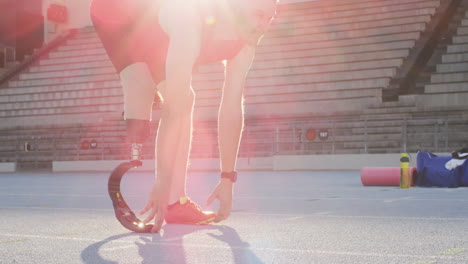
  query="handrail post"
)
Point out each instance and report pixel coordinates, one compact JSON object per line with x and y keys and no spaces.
{"x":405,"y":135}
{"x":365,"y":135}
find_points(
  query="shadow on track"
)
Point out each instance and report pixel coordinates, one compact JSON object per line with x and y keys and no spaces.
{"x":169,"y":247}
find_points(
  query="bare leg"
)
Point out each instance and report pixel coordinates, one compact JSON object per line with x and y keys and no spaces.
{"x":183,"y":153}
{"x":181,"y":162}
{"x":174,"y":140}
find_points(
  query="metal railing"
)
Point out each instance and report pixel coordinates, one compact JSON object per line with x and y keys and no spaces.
{"x":437,"y":134}
{"x":355,"y":135}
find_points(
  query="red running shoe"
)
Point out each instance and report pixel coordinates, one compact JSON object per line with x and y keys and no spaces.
{"x":187,"y":212}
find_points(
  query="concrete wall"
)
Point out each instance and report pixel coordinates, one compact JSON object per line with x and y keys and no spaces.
{"x":7,"y":167}
{"x":78,"y":17}
{"x":277,"y":163}
{"x":263,"y":164}
{"x":338,"y":162}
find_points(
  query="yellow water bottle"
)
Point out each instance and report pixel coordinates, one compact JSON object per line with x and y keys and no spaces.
{"x":405,"y":177}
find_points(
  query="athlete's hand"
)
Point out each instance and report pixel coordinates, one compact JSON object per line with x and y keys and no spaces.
{"x":157,"y":204}
{"x":222,"y":192}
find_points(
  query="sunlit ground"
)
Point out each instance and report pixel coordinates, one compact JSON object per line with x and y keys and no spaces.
{"x":278,"y":217}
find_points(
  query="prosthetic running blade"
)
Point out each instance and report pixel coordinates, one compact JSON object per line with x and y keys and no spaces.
{"x":122,"y":211}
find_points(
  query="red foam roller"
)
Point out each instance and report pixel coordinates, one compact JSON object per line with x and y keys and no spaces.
{"x":383,"y":176}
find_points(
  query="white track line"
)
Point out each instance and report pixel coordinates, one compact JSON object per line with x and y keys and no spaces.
{"x":320,"y":214}
{"x":398,"y":199}
{"x":293,"y":218}
{"x":59,"y":195}
{"x":387,"y":200}
{"x":323,"y":213}
{"x":15,"y":208}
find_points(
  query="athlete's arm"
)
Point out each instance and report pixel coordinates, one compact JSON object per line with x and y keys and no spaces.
{"x":181,"y":23}
{"x":237,"y":70}
{"x":231,"y":122}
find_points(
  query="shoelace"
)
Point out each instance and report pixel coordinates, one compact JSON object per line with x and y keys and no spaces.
{"x":194,"y":206}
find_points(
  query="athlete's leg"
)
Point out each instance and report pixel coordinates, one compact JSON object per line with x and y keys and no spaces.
{"x":182,"y":153}
{"x":230,"y":126}
{"x":136,"y":80}
{"x":174,"y":138}
{"x":139,"y":90}
{"x":181,"y":209}
{"x":117,"y":28}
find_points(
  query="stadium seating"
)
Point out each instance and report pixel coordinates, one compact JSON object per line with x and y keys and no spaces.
{"x":323,"y":66}
{"x":320,"y":58}
{"x":448,"y":87}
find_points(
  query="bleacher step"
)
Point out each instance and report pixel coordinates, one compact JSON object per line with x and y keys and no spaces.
{"x":390,"y":110}
{"x":462,"y":31}
{"x":60,"y":88}
{"x":446,"y":87}
{"x":459,"y":57}
{"x":355,"y":9}
{"x":452,"y":67}
{"x":71,"y":66}
{"x":443,"y":101}
{"x":460,"y":39}
{"x":66,"y":73}
{"x":65,"y":81}
{"x":84,"y":46}
{"x":457,"y":48}
{"x":449,"y":77}
{"x":80,"y":59}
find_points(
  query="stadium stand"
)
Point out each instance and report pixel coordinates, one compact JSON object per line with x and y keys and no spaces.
{"x":448,"y":84}
{"x":325,"y":66}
